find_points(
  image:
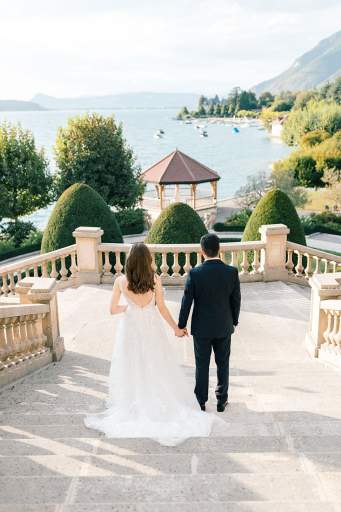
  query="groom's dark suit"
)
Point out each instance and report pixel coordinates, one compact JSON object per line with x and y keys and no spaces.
{"x":215,"y":290}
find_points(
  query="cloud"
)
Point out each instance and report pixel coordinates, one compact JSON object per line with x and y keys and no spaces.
{"x":83,"y":47}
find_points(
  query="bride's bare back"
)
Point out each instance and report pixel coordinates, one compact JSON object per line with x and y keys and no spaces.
{"x":140,"y":299}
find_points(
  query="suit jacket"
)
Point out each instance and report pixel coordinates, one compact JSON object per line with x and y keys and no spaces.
{"x":214,"y":288}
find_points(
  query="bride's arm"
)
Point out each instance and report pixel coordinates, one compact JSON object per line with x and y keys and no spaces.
{"x":164,"y":311}
{"x":115,"y":308}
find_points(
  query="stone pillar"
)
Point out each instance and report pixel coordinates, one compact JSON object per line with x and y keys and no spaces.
{"x":323,"y":287}
{"x":273,"y":259}
{"x":88,"y":264}
{"x":42,"y":290}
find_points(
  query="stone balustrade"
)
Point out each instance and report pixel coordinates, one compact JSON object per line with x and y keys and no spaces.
{"x":323,"y":338}
{"x":303,"y":262}
{"x":173,"y":262}
{"x":60,"y":265}
{"x":89,"y":260}
{"x":29,"y":330}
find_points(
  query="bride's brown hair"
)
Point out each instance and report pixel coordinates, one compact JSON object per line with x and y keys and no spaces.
{"x":139,"y":271}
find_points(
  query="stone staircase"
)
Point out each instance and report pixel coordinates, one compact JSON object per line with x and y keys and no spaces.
{"x":280,"y":450}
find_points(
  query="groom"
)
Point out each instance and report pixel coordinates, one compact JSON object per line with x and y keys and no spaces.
{"x":215,"y":290}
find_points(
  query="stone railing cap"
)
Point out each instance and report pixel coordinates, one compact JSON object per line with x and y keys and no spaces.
{"x":88,"y":232}
{"x":274,"y":229}
{"x":38,"y":284}
{"x":13,"y":310}
{"x":328,"y":281}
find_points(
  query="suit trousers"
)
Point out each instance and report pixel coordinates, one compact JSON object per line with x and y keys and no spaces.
{"x":202,"y":350}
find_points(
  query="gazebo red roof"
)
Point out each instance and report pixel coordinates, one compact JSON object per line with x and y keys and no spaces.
{"x":178,"y":168}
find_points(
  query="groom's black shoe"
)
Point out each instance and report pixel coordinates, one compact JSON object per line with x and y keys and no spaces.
{"x":221,"y":406}
{"x":203,"y":407}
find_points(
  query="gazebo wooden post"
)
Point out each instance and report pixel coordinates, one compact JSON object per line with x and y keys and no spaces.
{"x":162,"y":187}
{"x":194,"y":189}
{"x":214,"y":191}
{"x":157,"y":191}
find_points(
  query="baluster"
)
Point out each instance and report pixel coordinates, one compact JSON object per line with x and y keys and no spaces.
{"x":41,"y":338}
{"x":309,"y":268}
{"x":329,"y":326}
{"x":334,"y":265}
{"x":333,"y":335}
{"x":299,"y":267}
{"x":198,"y":259}
{"x":11,"y":283}
{"x":245,"y":264}
{"x":118,"y":265}
{"x":164,"y":265}
{"x":73,"y":267}
{"x":32,"y":341}
{"x":54,"y":272}
{"x":44,"y":272}
{"x":23,"y":337}
{"x":107,"y":265}
{"x":234,"y":259}
{"x":337,"y":339}
{"x":16,"y":338}
{"x":154,"y":265}
{"x":176,"y":266}
{"x":5,"y":288}
{"x":3,"y":349}
{"x":63,"y":269}
{"x":27,"y":334}
{"x":325,"y":268}
{"x":255,"y":263}
{"x":290,"y":264}
{"x":187,"y":265}
{"x":317,"y":265}
{"x":10,"y":341}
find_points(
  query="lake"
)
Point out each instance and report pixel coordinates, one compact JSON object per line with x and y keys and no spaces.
{"x":233,"y":155}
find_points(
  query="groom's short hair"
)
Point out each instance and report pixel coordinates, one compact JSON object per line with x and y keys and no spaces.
{"x":210,"y":245}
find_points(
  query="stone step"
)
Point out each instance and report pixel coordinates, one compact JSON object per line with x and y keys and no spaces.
{"x":202,"y":506}
{"x":175,"y":489}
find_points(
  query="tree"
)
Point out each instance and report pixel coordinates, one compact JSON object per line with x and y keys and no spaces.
{"x":275,"y":208}
{"x":202,"y":101}
{"x":218,"y":110}
{"x":253,"y":191}
{"x":266,"y":99}
{"x":284,"y":180}
{"x":25,"y":181}
{"x":225,"y":110}
{"x":211,"y":110}
{"x":92,"y":150}
{"x":247,"y":100}
{"x":233,"y":101}
{"x":184,"y":112}
{"x":79,"y":205}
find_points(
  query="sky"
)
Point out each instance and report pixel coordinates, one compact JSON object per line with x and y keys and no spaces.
{"x":70,"y":48}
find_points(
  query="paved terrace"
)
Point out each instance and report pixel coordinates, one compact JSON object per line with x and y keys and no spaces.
{"x":280,"y":449}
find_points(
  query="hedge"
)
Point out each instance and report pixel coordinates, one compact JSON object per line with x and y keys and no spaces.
{"x":79,"y":205}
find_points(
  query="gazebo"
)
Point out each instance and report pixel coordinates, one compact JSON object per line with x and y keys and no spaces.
{"x":178,"y":169}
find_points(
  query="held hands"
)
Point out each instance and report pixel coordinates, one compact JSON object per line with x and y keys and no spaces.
{"x":180,"y":333}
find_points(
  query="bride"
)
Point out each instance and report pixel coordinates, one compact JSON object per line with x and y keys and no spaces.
{"x":149,"y":395}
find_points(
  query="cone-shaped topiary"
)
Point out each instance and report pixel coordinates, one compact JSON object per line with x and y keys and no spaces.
{"x":275,"y":208}
{"x":79,"y":205}
{"x":177,"y":224}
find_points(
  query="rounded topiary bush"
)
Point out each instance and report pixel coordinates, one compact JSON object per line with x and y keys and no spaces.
{"x":177,"y":224}
{"x":79,"y":205}
{"x":275,"y":208}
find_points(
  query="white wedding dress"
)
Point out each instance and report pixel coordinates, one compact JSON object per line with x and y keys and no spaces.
{"x":149,"y":394}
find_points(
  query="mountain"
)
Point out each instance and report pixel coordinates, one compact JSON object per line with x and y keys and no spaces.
{"x":11,"y":105}
{"x":312,"y":69}
{"x":127,"y":100}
